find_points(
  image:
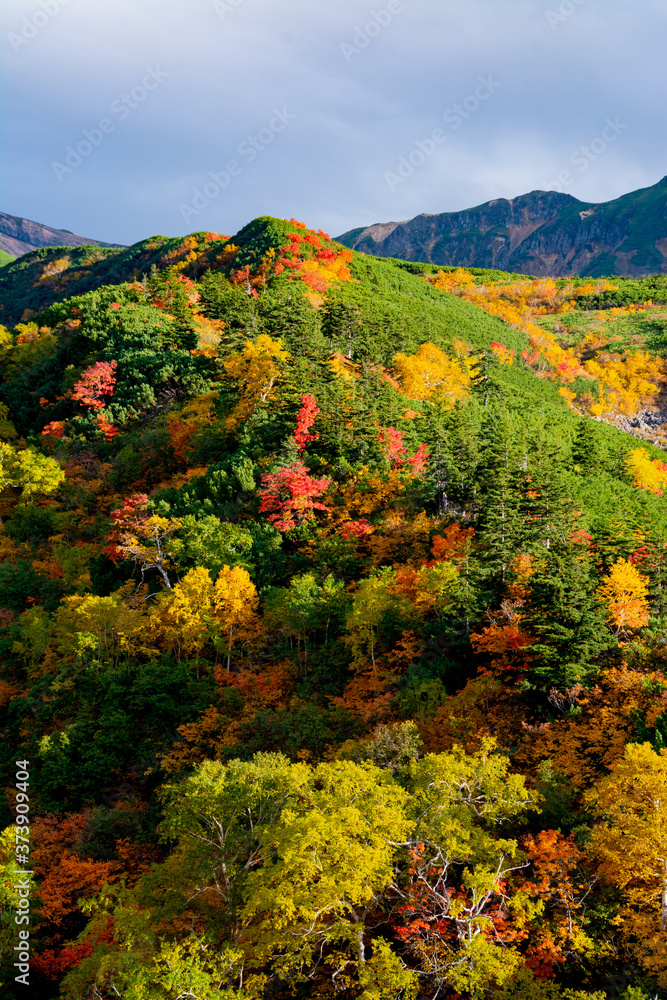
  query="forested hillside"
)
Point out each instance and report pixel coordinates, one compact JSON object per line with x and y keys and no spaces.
{"x":332,"y":624}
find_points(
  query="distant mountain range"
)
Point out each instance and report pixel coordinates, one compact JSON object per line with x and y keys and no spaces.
{"x":541,"y":233}
{"x":19,"y":236}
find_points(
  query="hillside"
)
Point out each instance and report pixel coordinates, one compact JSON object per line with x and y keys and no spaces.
{"x":332,"y":619}
{"x":19,"y":236}
{"x":542,"y":233}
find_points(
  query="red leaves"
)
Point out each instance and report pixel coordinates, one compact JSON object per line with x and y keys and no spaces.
{"x":392,"y":445}
{"x":395,"y":451}
{"x":107,"y":428}
{"x":418,"y":461}
{"x":305,"y":420}
{"x":289,"y":495}
{"x":128,"y":519}
{"x":96,"y":385}
{"x":356,"y":529}
{"x":54,"y":430}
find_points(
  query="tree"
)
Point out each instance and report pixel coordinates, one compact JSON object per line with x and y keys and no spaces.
{"x":624,"y":590}
{"x":183,"y":617}
{"x":630,"y":844}
{"x":96,"y":385}
{"x":564,"y":616}
{"x":647,"y":474}
{"x":28,"y":471}
{"x":453,"y":906}
{"x":305,"y":420}
{"x":289,"y":494}
{"x":142,"y":537}
{"x":297,"y":856}
{"x":432,"y":374}
{"x":235,"y":605}
{"x":256,"y":369}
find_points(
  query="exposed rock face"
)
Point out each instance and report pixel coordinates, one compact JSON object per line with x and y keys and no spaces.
{"x":542,"y":233}
{"x":19,"y":236}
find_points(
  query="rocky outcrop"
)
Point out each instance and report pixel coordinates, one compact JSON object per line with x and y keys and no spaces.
{"x":541,"y":233}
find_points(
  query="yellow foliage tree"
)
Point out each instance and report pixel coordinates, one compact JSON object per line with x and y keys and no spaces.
{"x":647,"y":474}
{"x":256,"y":369}
{"x":630,"y":842}
{"x":183,"y":618}
{"x":430,"y":373}
{"x":235,"y":605}
{"x":624,"y":590}
{"x":107,"y":627}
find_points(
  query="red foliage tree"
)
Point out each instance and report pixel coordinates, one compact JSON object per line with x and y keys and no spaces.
{"x":289,"y":494}
{"x":305,"y":420}
{"x":96,"y":385}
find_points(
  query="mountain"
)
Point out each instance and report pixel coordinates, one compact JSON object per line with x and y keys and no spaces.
{"x":19,"y":236}
{"x":331,"y":625}
{"x":541,"y":233}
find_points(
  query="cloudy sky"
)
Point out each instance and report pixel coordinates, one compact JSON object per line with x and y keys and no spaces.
{"x":128,"y":118}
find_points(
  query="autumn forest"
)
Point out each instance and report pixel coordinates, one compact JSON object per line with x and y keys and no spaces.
{"x":333,"y":608}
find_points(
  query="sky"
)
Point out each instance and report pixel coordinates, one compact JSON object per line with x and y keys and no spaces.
{"x":130,"y":118}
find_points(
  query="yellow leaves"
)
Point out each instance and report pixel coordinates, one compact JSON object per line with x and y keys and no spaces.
{"x":28,"y":470}
{"x":197,"y":612}
{"x":235,"y":601}
{"x":647,"y":474}
{"x":256,"y":369}
{"x":505,"y":355}
{"x":182,"y":618}
{"x":53,"y":270}
{"x":627,"y":382}
{"x":104,"y":626}
{"x":624,"y":590}
{"x":630,"y":843}
{"x":343,"y":367}
{"x":430,"y":373}
{"x":567,"y":395}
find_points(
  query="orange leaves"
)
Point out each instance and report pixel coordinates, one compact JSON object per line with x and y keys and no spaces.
{"x":53,"y":431}
{"x":183,"y":427}
{"x":309,"y":259}
{"x":96,"y":385}
{"x":560,"y":884}
{"x":453,"y":544}
{"x":625,"y":592}
{"x":504,"y":354}
{"x":67,"y":882}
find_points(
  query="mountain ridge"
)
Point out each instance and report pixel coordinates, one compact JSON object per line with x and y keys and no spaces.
{"x":19,"y":236}
{"x":543,"y":233}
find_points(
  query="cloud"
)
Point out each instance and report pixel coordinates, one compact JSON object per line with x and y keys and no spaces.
{"x":363,"y":81}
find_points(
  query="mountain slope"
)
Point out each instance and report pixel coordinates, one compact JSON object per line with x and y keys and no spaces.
{"x":19,"y":236}
{"x":541,"y":233}
{"x":277,"y":521}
